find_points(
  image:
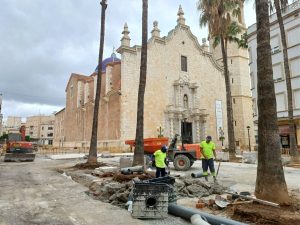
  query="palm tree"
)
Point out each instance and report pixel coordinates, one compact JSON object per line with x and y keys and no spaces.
{"x":217,"y":15}
{"x":138,"y":158}
{"x":270,"y":177}
{"x":92,"y":158}
{"x":279,"y":5}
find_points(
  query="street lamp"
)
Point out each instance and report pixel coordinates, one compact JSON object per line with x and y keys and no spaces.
{"x":248,"y":127}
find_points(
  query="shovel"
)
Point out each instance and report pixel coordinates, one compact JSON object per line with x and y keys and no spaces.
{"x":218,"y":168}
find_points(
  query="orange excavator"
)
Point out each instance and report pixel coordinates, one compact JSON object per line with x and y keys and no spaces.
{"x":18,"y":149}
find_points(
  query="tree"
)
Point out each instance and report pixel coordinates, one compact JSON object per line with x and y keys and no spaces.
{"x":270,"y":177}
{"x":4,"y":136}
{"x":92,"y":158}
{"x":222,"y":29}
{"x":138,"y":158}
{"x":280,"y":4}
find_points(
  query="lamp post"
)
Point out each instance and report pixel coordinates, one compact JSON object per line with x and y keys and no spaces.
{"x":248,"y":127}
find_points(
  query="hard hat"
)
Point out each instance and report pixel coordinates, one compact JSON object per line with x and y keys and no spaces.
{"x":164,"y":148}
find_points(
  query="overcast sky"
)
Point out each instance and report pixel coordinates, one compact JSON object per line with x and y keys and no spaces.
{"x":43,"y":42}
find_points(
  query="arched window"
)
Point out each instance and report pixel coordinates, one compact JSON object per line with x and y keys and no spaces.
{"x":185,"y":102}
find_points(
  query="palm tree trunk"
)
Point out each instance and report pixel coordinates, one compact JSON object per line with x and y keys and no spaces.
{"x":270,"y":177}
{"x":138,"y":158}
{"x":92,"y":158}
{"x":293,"y":142}
{"x":230,"y":127}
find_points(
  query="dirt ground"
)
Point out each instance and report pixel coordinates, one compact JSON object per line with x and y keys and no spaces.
{"x":266,"y":215}
{"x":241,"y":177}
{"x":36,"y":193}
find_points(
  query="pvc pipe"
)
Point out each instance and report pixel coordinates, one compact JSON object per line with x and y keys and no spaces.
{"x":197,"y":220}
{"x":187,"y":213}
{"x":198,"y":175}
{"x":130,"y":170}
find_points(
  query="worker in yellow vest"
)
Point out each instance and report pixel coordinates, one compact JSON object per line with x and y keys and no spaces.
{"x":160,"y":157}
{"x":208,"y":154}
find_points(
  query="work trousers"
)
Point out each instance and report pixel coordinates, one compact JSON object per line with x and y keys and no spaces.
{"x":208,"y":163}
{"x":160,"y":172}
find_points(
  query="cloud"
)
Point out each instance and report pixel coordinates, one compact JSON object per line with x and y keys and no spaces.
{"x":43,"y":42}
{"x":28,"y":109}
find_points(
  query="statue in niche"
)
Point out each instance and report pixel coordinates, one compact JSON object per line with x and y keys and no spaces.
{"x":185,"y":102}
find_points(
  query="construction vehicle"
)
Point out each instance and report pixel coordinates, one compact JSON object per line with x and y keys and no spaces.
{"x":183,"y":157}
{"x":18,"y":149}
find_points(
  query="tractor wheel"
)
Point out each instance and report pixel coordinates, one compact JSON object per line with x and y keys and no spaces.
{"x":182,"y":162}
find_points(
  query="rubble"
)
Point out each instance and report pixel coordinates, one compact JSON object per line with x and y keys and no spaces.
{"x":110,"y":191}
{"x":116,"y":190}
{"x":187,"y":187}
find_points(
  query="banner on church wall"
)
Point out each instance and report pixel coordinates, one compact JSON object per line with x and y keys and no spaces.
{"x":219,"y":119}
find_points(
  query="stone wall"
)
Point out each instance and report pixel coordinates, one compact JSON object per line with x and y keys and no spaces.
{"x":163,"y":69}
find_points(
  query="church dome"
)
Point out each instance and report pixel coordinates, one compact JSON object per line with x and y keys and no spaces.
{"x":112,"y":58}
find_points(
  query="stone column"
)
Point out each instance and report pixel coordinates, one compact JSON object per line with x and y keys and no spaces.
{"x":197,"y":126}
{"x":180,"y":97}
{"x":203,"y":129}
{"x":179,"y":124}
{"x":171,"y":126}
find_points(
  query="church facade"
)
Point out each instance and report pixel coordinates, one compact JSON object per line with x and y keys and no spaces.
{"x":185,"y":94}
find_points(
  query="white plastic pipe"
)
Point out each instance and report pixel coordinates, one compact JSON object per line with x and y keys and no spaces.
{"x":197,"y":220}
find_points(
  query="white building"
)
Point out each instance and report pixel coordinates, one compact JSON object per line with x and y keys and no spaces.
{"x":40,"y":129}
{"x":13,"y":122}
{"x":291,"y":19}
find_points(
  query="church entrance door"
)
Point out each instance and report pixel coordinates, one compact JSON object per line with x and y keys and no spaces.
{"x":187,"y":132}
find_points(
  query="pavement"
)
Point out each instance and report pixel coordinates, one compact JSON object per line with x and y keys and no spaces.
{"x":35,"y":193}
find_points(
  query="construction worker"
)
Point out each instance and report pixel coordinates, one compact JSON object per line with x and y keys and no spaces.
{"x":208,"y":153}
{"x":160,"y":157}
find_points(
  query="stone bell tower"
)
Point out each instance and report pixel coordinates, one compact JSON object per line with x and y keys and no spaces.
{"x":238,"y":66}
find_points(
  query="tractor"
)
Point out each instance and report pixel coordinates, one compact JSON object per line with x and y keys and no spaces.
{"x":183,"y":157}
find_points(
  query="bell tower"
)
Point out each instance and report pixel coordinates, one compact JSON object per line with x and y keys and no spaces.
{"x":239,"y":72}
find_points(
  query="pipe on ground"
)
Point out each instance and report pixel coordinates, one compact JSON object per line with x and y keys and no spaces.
{"x":198,"y":175}
{"x":187,"y":213}
{"x":130,"y":170}
{"x":197,"y":220}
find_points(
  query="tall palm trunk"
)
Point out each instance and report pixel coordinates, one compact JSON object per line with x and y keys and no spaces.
{"x":138,"y":158}
{"x":231,"y":138}
{"x":270,"y":177}
{"x":92,"y":158}
{"x":293,"y":142}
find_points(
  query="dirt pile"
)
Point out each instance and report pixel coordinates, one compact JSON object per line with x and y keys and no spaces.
{"x":266,"y":215}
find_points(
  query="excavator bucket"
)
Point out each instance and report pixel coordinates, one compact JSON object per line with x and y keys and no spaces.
{"x":19,"y":157}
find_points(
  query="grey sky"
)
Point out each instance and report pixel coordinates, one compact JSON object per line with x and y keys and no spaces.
{"x":43,"y":42}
